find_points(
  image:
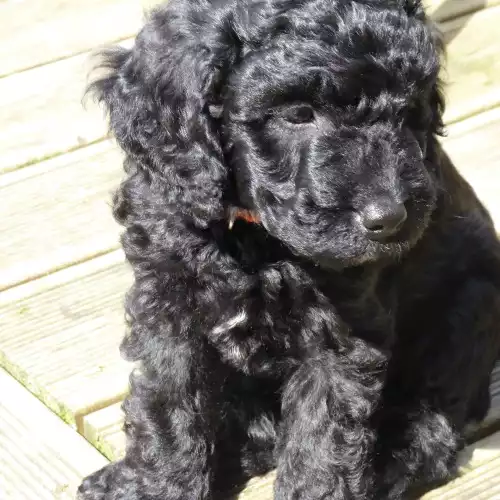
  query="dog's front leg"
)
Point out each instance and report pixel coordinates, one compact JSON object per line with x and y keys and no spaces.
{"x":170,"y":420}
{"x":437,"y":386}
{"x":325,"y":443}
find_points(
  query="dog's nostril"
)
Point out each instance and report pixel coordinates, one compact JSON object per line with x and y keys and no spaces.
{"x":383,"y":218}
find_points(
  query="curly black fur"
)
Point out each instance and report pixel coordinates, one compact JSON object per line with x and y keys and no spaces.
{"x":347,"y":353}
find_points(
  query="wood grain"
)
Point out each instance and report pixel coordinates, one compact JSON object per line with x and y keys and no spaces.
{"x":473,"y":67}
{"x":57,"y":213}
{"x":104,"y":429}
{"x":46,"y":118}
{"x":441,"y":10}
{"x":41,"y":457}
{"x":36,"y":31}
{"x":473,"y":147}
{"x":61,"y":339}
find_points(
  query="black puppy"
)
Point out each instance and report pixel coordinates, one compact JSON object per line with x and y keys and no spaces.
{"x":316,"y":287}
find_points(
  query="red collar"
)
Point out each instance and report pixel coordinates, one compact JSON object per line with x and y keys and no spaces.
{"x":237,"y":213}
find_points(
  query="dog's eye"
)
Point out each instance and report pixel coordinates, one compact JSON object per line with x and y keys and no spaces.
{"x":298,"y":114}
{"x":348,"y":100}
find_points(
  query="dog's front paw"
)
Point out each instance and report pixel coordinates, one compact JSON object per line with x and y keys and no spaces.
{"x":310,"y":486}
{"x":105,"y":484}
{"x":428,"y":458}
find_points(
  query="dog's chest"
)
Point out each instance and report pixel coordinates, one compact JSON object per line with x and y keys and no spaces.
{"x":361,"y":303}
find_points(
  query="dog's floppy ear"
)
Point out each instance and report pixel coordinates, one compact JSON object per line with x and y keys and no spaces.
{"x":416,"y":9}
{"x":161,"y":96}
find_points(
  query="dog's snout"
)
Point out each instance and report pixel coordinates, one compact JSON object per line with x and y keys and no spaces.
{"x":382,"y":219}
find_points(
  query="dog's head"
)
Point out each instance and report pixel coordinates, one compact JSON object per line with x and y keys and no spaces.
{"x":313,"y":115}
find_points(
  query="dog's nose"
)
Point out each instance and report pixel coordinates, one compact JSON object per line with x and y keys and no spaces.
{"x":382,"y":219}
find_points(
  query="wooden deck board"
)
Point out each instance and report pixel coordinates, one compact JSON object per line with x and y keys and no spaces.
{"x":61,"y":340}
{"x":104,"y":429}
{"x":34,"y":32}
{"x":473,"y":67}
{"x":441,"y":10}
{"x":473,"y":146}
{"x":65,"y":214}
{"x":42,"y":120}
{"x":42,"y":458}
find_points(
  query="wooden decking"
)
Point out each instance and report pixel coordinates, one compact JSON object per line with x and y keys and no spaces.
{"x":62,"y":275}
